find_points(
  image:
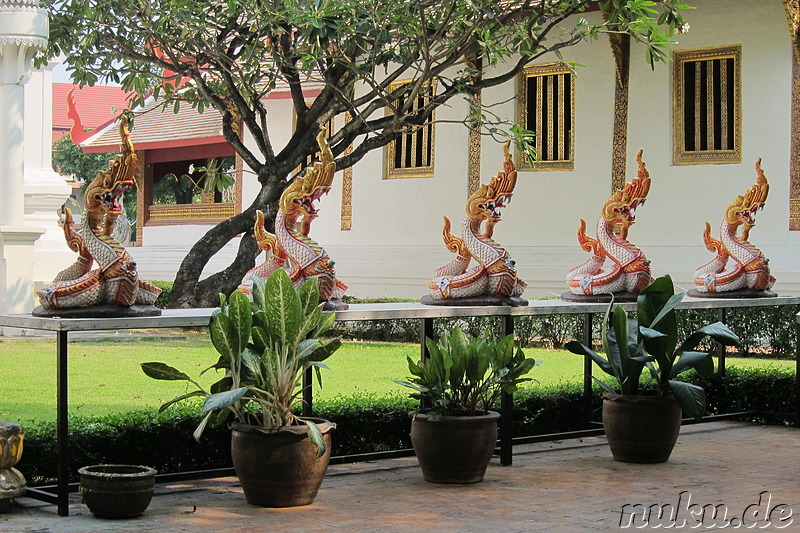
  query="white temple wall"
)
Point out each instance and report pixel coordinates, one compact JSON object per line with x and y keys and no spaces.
{"x":395,"y":241}
{"x":45,"y":190}
{"x":167,"y":247}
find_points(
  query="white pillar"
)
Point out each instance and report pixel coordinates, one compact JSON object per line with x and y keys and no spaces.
{"x":45,"y":190}
{"x":12,"y":155}
{"x":23,"y":31}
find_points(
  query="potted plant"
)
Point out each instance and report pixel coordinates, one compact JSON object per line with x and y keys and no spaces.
{"x":455,"y":433}
{"x":265,"y":347}
{"x":642,"y":418}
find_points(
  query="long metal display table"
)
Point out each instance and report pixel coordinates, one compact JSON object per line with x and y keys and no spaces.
{"x":187,"y":318}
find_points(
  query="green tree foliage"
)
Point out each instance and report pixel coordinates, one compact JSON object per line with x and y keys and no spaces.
{"x":229,"y":55}
{"x":69,"y":160}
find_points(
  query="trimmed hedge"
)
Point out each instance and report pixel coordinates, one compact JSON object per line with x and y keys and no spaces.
{"x":769,"y":391}
{"x":142,"y":437}
{"x":166,"y":293}
{"x":364,"y":424}
{"x":764,"y":331}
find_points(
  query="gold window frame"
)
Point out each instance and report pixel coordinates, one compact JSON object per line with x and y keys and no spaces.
{"x":559,"y":107}
{"x":681,"y":156}
{"x":426,"y":171}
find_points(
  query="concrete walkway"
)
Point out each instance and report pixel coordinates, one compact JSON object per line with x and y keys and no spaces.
{"x":747,"y":470}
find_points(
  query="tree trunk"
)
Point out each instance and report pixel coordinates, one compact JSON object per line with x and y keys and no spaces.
{"x":188,"y":290}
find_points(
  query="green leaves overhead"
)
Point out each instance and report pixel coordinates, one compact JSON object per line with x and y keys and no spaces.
{"x":218,"y":49}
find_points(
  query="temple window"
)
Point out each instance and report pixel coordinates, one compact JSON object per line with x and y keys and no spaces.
{"x":546,"y":107}
{"x":411,"y":155}
{"x":188,"y":173}
{"x":191,"y":190}
{"x":707,"y":113}
{"x":208,"y":181}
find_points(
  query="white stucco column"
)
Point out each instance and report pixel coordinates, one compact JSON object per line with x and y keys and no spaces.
{"x":23,"y":32}
{"x":45,"y":190}
{"x":12,"y":195}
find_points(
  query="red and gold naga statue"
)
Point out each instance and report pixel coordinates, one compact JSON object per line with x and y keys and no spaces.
{"x":290,"y":247}
{"x":749,"y":274}
{"x":493,"y":279}
{"x":115,"y":281}
{"x":628,"y":269}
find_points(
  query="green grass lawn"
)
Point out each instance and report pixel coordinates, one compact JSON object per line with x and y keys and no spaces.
{"x":105,"y":377}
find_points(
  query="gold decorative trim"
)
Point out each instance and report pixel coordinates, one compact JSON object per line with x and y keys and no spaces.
{"x":555,"y":106}
{"x":239,"y":177}
{"x":140,"y":201}
{"x":347,"y":188}
{"x":793,"y":17}
{"x":794,"y":147}
{"x":191,"y":212}
{"x":621,"y":50}
{"x":733,"y":154}
{"x":474,"y":161}
{"x":426,"y":171}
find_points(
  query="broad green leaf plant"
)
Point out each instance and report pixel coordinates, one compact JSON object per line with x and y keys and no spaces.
{"x":650,"y":341}
{"x":465,"y":376}
{"x":265,"y":347}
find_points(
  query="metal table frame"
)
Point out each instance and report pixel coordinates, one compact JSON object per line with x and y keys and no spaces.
{"x":185,"y":318}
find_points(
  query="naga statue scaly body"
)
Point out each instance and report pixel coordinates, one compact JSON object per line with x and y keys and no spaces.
{"x":750,"y":269}
{"x":629,"y":269}
{"x":290,"y":247}
{"x":494,"y":273}
{"x":116,"y":280}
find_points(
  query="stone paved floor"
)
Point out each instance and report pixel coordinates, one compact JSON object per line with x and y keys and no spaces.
{"x":571,"y":485}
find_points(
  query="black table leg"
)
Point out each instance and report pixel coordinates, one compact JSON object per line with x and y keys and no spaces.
{"x":507,"y":410}
{"x":62,"y":424}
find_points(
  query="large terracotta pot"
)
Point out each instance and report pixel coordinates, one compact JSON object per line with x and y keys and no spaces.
{"x":456,"y":449}
{"x":641,"y":429}
{"x":278,"y":466}
{"x":117,"y":491}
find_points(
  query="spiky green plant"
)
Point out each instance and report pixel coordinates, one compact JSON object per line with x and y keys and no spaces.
{"x":650,"y":340}
{"x":464,"y":376}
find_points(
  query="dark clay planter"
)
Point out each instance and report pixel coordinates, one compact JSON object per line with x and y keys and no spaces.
{"x":117,"y":491}
{"x":641,"y":429}
{"x":457,"y":449}
{"x":278,"y":467}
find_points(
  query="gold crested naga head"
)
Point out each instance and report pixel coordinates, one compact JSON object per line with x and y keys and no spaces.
{"x":102,"y":196}
{"x":301,"y":194}
{"x":744,"y":208}
{"x":486,"y":202}
{"x":622,"y":204}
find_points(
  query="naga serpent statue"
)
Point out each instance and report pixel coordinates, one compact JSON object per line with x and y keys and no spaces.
{"x":114,"y":287}
{"x":290,"y":247}
{"x":628,"y":269}
{"x":749,"y":274}
{"x":493,"y":279}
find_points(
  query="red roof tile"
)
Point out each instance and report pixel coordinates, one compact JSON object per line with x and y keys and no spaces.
{"x":96,"y":105}
{"x":157,"y":128}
